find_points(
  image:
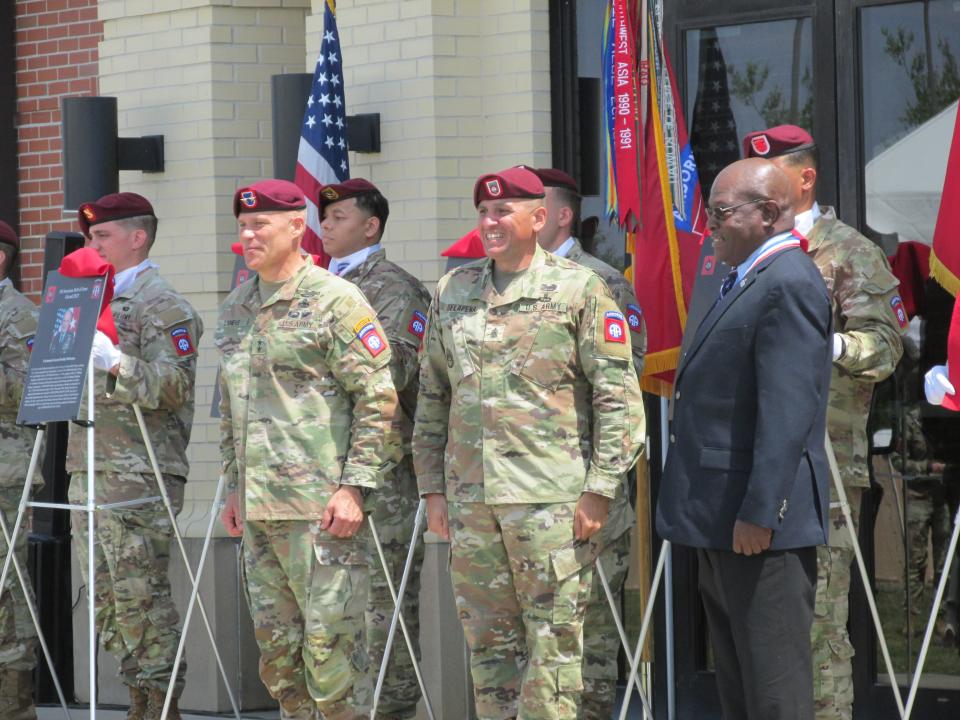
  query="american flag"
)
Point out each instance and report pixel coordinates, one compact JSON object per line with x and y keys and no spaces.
{"x":322,"y":157}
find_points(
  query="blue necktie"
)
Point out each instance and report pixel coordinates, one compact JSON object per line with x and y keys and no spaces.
{"x":341,"y":266}
{"x":728,"y":282}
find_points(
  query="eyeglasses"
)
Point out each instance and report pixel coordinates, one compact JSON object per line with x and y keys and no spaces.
{"x":719,"y":214}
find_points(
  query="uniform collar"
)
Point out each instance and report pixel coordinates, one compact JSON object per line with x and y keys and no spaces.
{"x":526,"y":286}
{"x":290,"y":287}
{"x":820,"y":228}
{"x":366,"y":264}
{"x":127,"y":282}
{"x":803,"y":223}
{"x":341,"y":266}
{"x":4,"y":283}
{"x":565,"y":248}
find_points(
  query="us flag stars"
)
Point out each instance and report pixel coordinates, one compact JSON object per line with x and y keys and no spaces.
{"x":322,"y":156}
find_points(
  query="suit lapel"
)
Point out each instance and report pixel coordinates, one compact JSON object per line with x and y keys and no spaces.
{"x":720,"y":308}
{"x":716,"y":312}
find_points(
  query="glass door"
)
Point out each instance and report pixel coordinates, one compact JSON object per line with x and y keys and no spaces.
{"x":904,"y":81}
{"x":743,"y":65}
{"x":876,"y":82}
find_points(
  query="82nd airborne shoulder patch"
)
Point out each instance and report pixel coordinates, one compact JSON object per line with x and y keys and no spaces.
{"x":634,"y":317}
{"x":614,"y":327}
{"x":899,"y":312}
{"x":180,"y":337}
{"x":418,"y":324}
{"x":370,"y":338}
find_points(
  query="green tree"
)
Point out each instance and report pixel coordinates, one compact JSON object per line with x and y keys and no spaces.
{"x":750,"y":85}
{"x":933,"y":89}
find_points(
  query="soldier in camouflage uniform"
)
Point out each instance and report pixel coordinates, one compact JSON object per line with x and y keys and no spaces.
{"x":529,"y":417}
{"x":601,"y":642}
{"x":868,"y":320}
{"x":154,"y":366}
{"x":18,"y":639}
{"x":928,"y":505}
{"x":309,"y":424}
{"x":354,"y":214}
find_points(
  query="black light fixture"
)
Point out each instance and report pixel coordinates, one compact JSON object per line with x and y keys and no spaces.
{"x":288,"y":94}
{"x":93,"y":155}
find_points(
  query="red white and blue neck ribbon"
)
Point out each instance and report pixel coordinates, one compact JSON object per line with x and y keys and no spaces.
{"x":793,"y":239}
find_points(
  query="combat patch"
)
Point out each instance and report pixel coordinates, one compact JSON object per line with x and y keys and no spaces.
{"x":180,"y":337}
{"x":370,"y":338}
{"x":418,"y":324}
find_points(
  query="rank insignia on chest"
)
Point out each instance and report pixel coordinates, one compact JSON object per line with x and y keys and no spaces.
{"x":614,"y":328}
{"x":418,"y":324}
{"x":635,"y":317}
{"x":371,"y":339}
{"x":181,"y":341}
{"x":899,"y":312}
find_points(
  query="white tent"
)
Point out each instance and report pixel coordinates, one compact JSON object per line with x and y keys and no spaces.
{"x":904,"y":182}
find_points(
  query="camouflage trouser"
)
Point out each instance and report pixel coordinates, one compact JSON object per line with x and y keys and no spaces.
{"x":521,"y":598}
{"x":18,"y":637}
{"x":307,"y":592}
{"x":928,"y":512}
{"x":601,"y":642}
{"x":135,"y":615}
{"x":832,"y":650}
{"x":393,"y":508}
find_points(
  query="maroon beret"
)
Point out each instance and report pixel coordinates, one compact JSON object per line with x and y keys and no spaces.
{"x":551,"y":177}
{"x":268,"y":196}
{"x":513,"y":183}
{"x":779,"y":140}
{"x":8,"y":236}
{"x":115,"y":206}
{"x":335,"y":192}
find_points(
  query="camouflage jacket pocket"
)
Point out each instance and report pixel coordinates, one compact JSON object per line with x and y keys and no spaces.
{"x":458,"y":354}
{"x":548,"y":358}
{"x":340,"y":552}
{"x":575,"y":554}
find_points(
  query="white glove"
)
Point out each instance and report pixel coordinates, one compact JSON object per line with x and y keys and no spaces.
{"x":936,"y":384}
{"x":105,"y":354}
{"x":838,"y":346}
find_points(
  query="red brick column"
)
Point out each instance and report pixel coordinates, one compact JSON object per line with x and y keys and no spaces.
{"x":56,"y":50}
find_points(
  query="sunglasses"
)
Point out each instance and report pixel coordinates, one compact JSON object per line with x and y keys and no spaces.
{"x":719,"y":214}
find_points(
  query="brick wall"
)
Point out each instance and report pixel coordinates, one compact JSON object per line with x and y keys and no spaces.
{"x":56,"y":50}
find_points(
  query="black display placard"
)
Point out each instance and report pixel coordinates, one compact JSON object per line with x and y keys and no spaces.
{"x":61,"y":349}
{"x":241,"y":273}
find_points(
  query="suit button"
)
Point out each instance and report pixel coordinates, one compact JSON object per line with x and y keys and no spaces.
{"x":673,"y":438}
{"x":677,"y":396}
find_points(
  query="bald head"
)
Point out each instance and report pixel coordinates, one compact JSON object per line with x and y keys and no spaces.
{"x":758,"y":178}
{"x":749,"y":203}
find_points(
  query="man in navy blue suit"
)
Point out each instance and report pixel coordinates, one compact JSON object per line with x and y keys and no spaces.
{"x":746,"y":478}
